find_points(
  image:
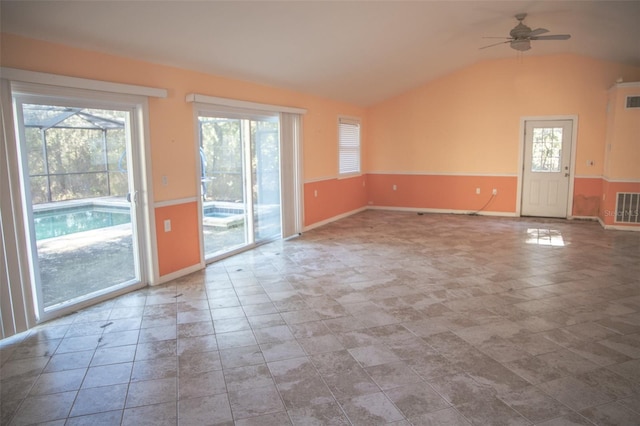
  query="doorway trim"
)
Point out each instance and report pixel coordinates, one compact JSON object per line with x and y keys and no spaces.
{"x":291,"y":161}
{"x":572,"y":160}
{"x":21,"y":310}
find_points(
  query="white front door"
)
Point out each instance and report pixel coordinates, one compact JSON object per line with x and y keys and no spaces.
{"x":547,"y":168}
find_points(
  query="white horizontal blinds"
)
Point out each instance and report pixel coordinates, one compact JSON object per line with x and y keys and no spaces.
{"x":349,"y":145}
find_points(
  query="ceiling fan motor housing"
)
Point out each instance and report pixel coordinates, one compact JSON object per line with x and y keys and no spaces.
{"x":521,"y":31}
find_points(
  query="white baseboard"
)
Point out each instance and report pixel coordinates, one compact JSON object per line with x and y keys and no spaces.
{"x":620,"y":227}
{"x":333,"y":219}
{"x":591,"y":218}
{"x":177,"y":274}
{"x":443,"y":211}
{"x":406,"y":209}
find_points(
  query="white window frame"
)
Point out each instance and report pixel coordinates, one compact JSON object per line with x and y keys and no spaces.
{"x":349,"y":129}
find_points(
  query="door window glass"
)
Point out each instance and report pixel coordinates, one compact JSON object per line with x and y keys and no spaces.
{"x":546,"y":149}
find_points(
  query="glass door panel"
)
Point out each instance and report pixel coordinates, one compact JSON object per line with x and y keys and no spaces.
{"x":240,"y":163}
{"x":224,"y":216}
{"x":77,"y":184}
{"x":265,"y":174}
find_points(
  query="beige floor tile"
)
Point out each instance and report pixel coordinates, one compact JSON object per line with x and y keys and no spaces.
{"x":255,"y":402}
{"x":370,"y":409}
{"x":98,"y":400}
{"x":385,"y":317}
{"x":416,"y":399}
{"x":151,"y":415}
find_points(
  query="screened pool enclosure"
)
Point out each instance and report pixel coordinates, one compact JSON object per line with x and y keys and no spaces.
{"x":76,"y":188}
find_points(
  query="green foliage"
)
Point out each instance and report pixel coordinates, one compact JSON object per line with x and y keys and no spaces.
{"x":221,"y":144}
{"x":75,"y":153}
{"x":547,"y":147}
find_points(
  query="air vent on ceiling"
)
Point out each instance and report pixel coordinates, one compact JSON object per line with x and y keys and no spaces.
{"x":628,"y":207}
{"x":633,"y":101}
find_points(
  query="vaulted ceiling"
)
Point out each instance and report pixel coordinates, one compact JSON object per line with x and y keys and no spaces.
{"x":360,"y":52}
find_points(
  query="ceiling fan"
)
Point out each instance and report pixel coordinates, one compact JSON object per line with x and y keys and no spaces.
{"x":521,"y":35}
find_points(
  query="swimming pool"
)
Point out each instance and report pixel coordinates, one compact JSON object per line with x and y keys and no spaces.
{"x":222,"y":212}
{"x":64,"y":221}
{"x":222,"y":215}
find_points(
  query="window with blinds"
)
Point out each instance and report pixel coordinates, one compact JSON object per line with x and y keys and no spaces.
{"x":348,"y":145}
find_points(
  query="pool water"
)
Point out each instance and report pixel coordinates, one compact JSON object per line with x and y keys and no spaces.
{"x":221,"y":212}
{"x":58,"y":222}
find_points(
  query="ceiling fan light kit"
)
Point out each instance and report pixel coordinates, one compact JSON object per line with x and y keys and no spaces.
{"x":521,"y":35}
{"x":521,"y":44}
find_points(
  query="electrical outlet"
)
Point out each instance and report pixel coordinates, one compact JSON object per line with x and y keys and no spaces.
{"x":395,"y":188}
{"x":167,"y":225}
{"x":495,"y":191}
{"x":315,"y":193}
{"x":477,"y":191}
{"x":165,"y":180}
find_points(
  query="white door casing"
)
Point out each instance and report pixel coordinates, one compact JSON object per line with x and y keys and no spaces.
{"x":547,"y":168}
{"x":131,"y":108}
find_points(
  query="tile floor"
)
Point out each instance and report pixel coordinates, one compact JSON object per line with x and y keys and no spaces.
{"x":380,"y":318}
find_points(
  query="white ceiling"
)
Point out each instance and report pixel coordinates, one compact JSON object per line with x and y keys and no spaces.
{"x":360,"y":52}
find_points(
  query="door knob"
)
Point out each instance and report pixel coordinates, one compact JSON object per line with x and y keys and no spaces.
{"x":566,"y":175}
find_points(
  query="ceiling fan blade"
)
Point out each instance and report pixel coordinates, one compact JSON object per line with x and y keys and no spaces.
{"x":553,"y":37}
{"x":538,"y":31}
{"x":495,"y":44}
{"x":504,"y":38}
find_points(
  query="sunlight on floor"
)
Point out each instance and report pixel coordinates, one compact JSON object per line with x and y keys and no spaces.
{"x":545,"y":237}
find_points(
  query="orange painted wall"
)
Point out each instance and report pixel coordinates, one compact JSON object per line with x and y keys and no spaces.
{"x":608,"y":206}
{"x":586,"y":202}
{"x":443,"y":192}
{"x":329,"y":198}
{"x":176,"y":250}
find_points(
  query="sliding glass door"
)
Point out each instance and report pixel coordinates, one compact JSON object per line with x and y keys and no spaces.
{"x":240,"y":181}
{"x":79,"y":195}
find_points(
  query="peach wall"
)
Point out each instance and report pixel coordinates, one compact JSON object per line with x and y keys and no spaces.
{"x":328,"y":198}
{"x":468,"y":122}
{"x":171,"y":119}
{"x":623,"y":140}
{"x":443,"y":192}
{"x":172,"y":129}
{"x":176,"y":249}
